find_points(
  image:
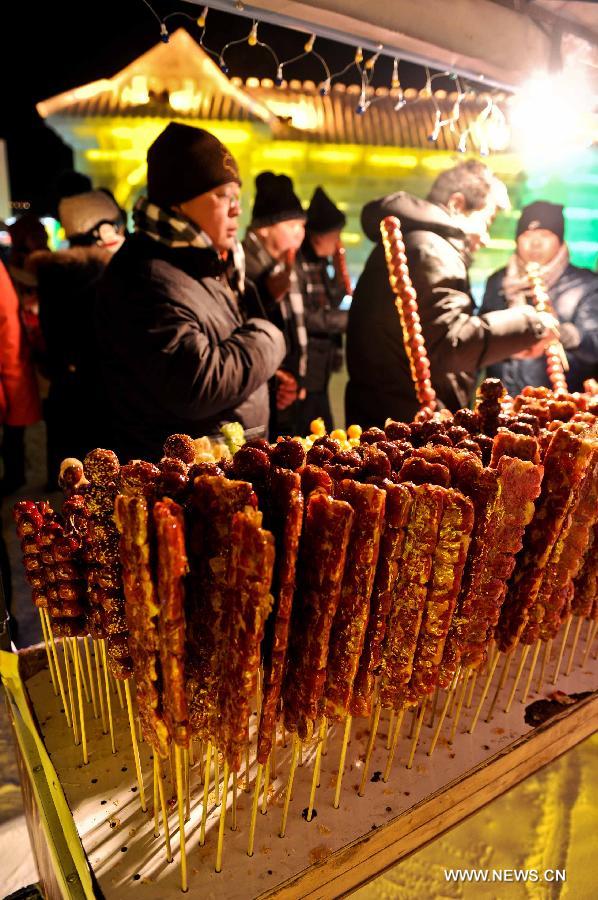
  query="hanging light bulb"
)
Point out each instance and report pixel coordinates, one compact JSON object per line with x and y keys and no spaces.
{"x":325,"y":87}
{"x":201,"y":20}
{"x":239,"y":5}
{"x":371,"y":62}
{"x":309,"y":44}
{"x":164,"y":36}
{"x":252,"y":39}
{"x":358,"y":56}
{"x":395,"y":81}
{"x":278,"y":78}
{"x":433,"y":137}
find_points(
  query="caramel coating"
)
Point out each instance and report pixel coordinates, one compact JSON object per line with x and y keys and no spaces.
{"x":101,"y":466}
{"x":288,"y":453}
{"x":180,"y":446}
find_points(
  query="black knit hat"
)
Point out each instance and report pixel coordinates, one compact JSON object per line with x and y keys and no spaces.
{"x":275,"y":200}
{"x":323,"y":215}
{"x":542,"y":214}
{"x":184,"y":162}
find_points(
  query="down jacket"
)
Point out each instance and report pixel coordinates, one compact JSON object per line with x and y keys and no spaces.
{"x":181,"y":352}
{"x":458,"y":341}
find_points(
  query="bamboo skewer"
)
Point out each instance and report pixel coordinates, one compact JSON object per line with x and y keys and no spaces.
{"x":264,"y":809}
{"x":393,"y":744}
{"x":100,"y":688}
{"x":158,"y":765}
{"x":449,"y":693}
{"x":178,"y":764}
{"x":341,"y":762}
{"x":413,"y":721}
{"x":472,"y":685}
{"x":83,"y":679}
{"x":77,"y":666}
{"x":434,"y":707}
{"x":545,"y":661}
{"x":247,"y":767}
{"x":156,"y":799}
{"x":187,"y":784}
{"x":482,"y":699}
{"x":217,"y":775}
{"x":206,"y":794}
{"x":287,"y":799}
{"x":135,"y":746}
{"x":69,"y":682}
{"x":220,"y":845}
{"x":48,"y":652}
{"x":390,"y":729}
{"x":530,"y":674}
{"x":191,"y":754}
{"x":119,"y":692}
{"x":108,"y":698}
{"x":562,"y":649}
{"x":518,"y":673}
{"x":91,"y":681}
{"x":501,"y":682}
{"x":455,"y":724}
{"x":316,"y":776}
{"x":574,"y":645}
{"x":590,"y":638}
{"x":369,"y":749}
{"x":418,"y":728}
{"x":254,"y":806}
{"x":233,"y":826}
{"x":54,"y":650}
{"x":273,"y":755}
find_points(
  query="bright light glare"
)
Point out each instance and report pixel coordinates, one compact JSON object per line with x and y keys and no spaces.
{"x":551,"y":116}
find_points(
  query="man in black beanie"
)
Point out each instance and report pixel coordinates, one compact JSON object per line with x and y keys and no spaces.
{"x":573,"y":291}
{"x":274,"y":236}
{"x":323,"y":292}
{"x":184,"y":347}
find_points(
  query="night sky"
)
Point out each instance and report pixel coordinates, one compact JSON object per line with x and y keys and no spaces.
{"x":57,"y":46}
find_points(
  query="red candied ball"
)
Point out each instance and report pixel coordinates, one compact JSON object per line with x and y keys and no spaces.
{"x":376,"y":463}
{"x":319,"y":454}
{"x":418,"y":340}
{"x":205,"y":468}
{"x":428,"y":395}
{"x":410,"y":294}
{"x":372,"y":436}
{"x":288,"y":453}
{"x":314,"y":478}
{"x":180,"y":446}
{"x":397,"y":431}
{"x":409,"y":309}
{"x":259,"y":443}
{"x":249,"y":463}
{"x":139,"y":478}
{"x":101,"y":466}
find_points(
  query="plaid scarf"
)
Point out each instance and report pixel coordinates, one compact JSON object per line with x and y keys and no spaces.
{"x":175,"y":230}
{"x":291,"y":305}
{"x":516,"y":283}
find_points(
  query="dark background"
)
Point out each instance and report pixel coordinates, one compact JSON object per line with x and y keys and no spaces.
{"x":52,"y":47}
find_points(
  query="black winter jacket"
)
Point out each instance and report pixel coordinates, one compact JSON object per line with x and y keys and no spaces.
{"x":180,"y":352}
{"x":458,"y":341}
{"x":575,"y":301}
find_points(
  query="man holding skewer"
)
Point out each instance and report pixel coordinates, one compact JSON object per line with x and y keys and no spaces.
{"x":441,"y":234}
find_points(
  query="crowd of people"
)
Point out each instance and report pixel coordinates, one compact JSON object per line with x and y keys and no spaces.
{"x":180,"y":326}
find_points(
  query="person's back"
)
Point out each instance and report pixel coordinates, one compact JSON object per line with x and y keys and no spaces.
{"x":440,"y":234}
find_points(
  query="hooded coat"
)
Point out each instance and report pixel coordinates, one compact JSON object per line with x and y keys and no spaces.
{"x":575,"y":300}
{"x":181,"y":351}
{"x":458,"y":341}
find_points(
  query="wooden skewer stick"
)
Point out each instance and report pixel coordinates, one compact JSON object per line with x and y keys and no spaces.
{"x":472,"y":685}
{"x":187,"y":783}
{"x":77,"y":665}
{"x":287,"y":799}
{"x":84,"y":679}
{"x":501,"y":682}
{"x":455,"y":724}
{"x":254,"y":806}
{"x":449,"y":694}
{"x":273,"y":755}
{"x":434,"y":707}
{"x":178,"y":764}
{"x":316,"y":776}
{"x":591,"y":633}
{"x":217,"y":774}
{"x":574,"y":645}
{"x":545,"y":661}
{"x":393,"y":743}
{"x":108,"y":698}
{"x":482,"y":699}
{"x":341,"y":762}
{"x":69,"y":682}
{"x":390,"y":729}
{"x":247,"y":767}
{"x":156,"y":799}
{"x":418,"y":728}
{"x":48,"y":652}
{"x":233,"y":826}
{"x":91,"y":679}
{"x":518,"y":673}
{"x":454,"y":695}
{"x":65,"y":706}
{"x":264,"y":809}
{"x":119,"y":692}
{"x":191,"y":753}
{"x":530,"y":674}
{"x":206,"y":794}
{"x":369,"y":749}
{"x":135,"y":746}
{"x":557,"y":668}
{"x":158,"y":765}
{"x":96,"y":654}
{"x":325,"y":745}
{"x":220,"y":845}
{"x":414,"y":713}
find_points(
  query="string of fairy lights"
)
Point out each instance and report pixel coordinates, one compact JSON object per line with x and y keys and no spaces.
{"x":476,"y":134}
